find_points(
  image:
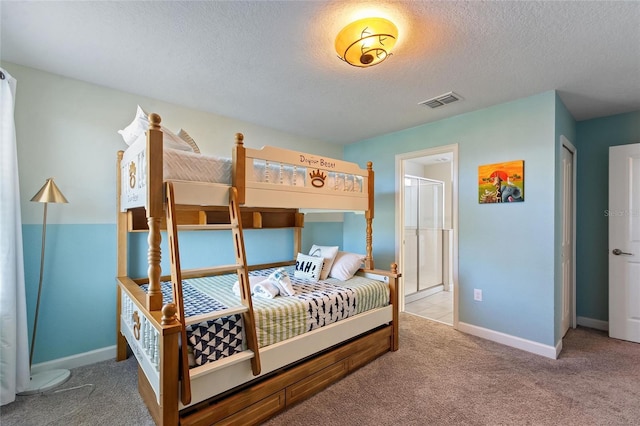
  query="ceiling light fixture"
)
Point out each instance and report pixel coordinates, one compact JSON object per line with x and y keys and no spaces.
{"x":366,"y":42}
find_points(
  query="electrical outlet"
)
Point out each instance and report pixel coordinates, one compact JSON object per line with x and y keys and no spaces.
{"x":477,"y":294}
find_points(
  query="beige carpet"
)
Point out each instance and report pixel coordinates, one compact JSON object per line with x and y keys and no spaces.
{"x":443,"y":377}
{"x":438,"y":377}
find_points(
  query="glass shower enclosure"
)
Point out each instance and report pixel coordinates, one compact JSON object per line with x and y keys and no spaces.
{"x":423,"y":234}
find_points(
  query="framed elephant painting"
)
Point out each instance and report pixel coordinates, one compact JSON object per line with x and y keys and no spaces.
{"x":501,"y":182}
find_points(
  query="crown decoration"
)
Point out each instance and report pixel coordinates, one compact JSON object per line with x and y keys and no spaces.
{"x":132,"y":175}
{"x":317,"y":178}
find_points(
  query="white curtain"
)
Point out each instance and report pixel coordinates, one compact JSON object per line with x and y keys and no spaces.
{"x":14,"y":350}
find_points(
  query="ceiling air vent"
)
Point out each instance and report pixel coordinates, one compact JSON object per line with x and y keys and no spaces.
{"x":441,"y":100}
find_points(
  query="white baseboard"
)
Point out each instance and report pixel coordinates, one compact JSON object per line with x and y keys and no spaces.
{"x":78,"y":360}
{"x":558,"y":348}
{"x":593,"y":323}
{"x":513,"y":341}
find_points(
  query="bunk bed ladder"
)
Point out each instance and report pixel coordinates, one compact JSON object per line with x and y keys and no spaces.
{"x":243,"y":280}
{"x":176,"y":282}
{"x":241,"y":268}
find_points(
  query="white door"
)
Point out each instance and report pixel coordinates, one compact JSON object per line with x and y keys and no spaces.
{"x":624,"y":242}
{"x":567,"y":238}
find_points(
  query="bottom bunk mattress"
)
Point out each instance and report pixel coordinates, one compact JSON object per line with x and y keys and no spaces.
{"x":314,"y":304}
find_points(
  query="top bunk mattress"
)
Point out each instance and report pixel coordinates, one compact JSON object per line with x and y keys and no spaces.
{"x":179,"y":165}
{"x":195,"y":167}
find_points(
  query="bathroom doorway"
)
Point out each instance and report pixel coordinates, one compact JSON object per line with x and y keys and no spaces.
{"x":425,"y":208}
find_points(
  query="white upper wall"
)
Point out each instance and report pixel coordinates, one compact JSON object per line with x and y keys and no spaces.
{"x":67,"y":129}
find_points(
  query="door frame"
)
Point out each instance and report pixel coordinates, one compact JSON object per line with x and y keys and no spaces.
{"x":399,"y":213}
{"x":566,"y":143}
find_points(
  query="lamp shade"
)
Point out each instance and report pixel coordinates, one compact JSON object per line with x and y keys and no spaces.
{"x":366,"y":42}
{"x":49,"y":193}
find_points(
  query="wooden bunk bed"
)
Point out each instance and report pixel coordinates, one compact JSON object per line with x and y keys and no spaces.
{"x":258,"y":382}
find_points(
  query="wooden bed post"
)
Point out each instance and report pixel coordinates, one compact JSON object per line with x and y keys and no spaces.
{"x":239,"y":156}
{"x":368,"y":261}
{"x":154,"y":210}
{"x":164,"y":408}
{"x":121,"y":255}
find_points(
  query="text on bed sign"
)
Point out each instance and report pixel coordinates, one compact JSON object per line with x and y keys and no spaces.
{"x":315,"y":162}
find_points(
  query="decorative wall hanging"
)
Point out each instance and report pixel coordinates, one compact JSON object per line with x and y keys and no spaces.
{"x":501,"y":182}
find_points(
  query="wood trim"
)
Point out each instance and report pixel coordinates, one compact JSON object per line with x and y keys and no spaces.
{"x":149,"y":397}
{"x":165,"y":412}
{"x":243,"y":277}
{"x":309,"y":161}
{"x":316,"y":382}
{"x":121,"y":256}
{"x":238,"y":175}
{"x":392,"y":276}
{"x":206,"y":217}
{"x":155,"y":211}
{"x":207,"y":272}
{"x":176,"y":284}
{"x":395,"y":301}
{"x":298,"y":382}
{"x":368,"y":261}
{"x":258,"y":412}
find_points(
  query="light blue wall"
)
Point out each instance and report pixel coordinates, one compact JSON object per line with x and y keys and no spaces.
{"x":565,"y":126}
{"x":77,"y":308}
{"x":205,"y":249}
{"x":322,"y":234}
{"x":505,"y":250}
{"x":594,"y":137}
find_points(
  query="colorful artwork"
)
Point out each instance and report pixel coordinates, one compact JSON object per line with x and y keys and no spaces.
{"x":501,"y":182}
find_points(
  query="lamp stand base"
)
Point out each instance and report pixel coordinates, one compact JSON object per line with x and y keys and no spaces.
{"x":46,"y":380}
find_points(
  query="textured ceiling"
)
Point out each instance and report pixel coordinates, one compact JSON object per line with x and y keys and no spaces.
{"x":273,"y":63}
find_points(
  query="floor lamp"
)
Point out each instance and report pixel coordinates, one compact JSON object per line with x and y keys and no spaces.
{"x":44,"y":380}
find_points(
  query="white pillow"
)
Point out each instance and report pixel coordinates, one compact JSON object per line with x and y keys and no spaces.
{"x":328,"y":253}
{"x":281,"y":279}
{"x":308,"y":267}
{"x":345,"y":265}
{"x":139,"y":127}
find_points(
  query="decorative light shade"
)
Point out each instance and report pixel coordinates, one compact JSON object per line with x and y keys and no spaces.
{"x":49,"y":193}
{"x":366,"y":42}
